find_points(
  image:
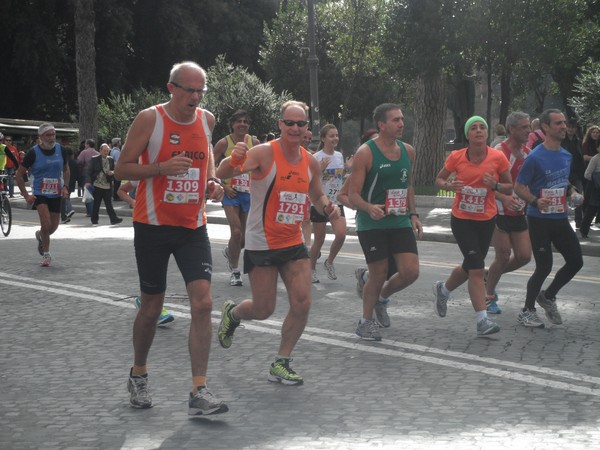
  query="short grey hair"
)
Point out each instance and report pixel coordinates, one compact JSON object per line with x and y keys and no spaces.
{"x":174,"y":74}
{"x":514,"y":118}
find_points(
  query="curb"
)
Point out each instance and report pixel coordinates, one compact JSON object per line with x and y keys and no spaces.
{"x":589,"y":247}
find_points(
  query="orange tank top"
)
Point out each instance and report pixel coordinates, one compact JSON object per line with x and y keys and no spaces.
{"x":278,"y":203}
{"x":175,"y":200}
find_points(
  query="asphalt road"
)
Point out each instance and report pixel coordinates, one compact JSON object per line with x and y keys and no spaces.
{"x":431,"y":383}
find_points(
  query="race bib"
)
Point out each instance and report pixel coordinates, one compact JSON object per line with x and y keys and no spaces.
{"x":472,"y":200}
{"x":332,"y":183}
{"x":396,"y":202}
{"x":184,"y":189}
{"x":558,"y":200}
{"x":50,"y":186}
{"x":241,"y":183}
{"x":292,"y":207}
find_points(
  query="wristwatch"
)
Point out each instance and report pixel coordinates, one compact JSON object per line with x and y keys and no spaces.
{"x":216,"y":180}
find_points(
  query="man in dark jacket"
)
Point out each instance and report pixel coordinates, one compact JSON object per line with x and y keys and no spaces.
{"x":100,"y":175}
{"x":572,"y":144}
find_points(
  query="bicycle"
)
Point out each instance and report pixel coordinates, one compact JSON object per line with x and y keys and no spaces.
{"x":5,"y":209}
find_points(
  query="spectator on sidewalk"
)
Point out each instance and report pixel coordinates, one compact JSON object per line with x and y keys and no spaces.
{"x":66,"y":208}
{"x":115,"y":153}
{"x":572,"y":144}
{"x":83,"y":159}
{"x":100,"y":175}
{"x":12,"y":162}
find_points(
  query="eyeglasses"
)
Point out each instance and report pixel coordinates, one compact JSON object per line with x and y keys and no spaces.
{"x":190,"y":90}
{"x":291,"y":123}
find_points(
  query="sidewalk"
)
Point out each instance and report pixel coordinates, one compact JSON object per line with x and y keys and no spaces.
{"x":434,"y":214}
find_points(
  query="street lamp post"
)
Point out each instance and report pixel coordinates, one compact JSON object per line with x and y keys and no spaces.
{"x":313,"y":64}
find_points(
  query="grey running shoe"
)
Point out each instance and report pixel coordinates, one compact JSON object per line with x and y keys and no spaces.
{"x":138,"y":388}
{"x":227,"y":325}
{"x":205,"y":403}
{"x":440,"y":300}
{"x":360,"y":282}
{"x":381,"y":314}
{"x":39,"y":239}
{"x":368,"y":330}
{"x":227,"y":260}
{"x":550,"y":308}
{"x":281,"y":372}
{"x":236,"y":279}
{"x":330,"y":270}
{"x":486,"y":326}
{"x":315,"y":277}
{"x":529,"y":318}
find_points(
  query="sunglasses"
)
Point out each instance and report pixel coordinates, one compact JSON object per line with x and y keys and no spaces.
{"x":189,"y":90}
{"x":291,"y":123}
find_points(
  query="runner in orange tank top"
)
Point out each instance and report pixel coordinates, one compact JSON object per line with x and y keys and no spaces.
{"x":479,"y":172}
{"x":168,"y":150}
{"x":283,"y":175}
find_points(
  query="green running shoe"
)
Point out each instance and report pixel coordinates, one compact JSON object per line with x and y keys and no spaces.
{"x":227,"y":325}
{"x":281,"y":372}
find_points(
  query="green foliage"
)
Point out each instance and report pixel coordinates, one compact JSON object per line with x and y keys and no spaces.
{"x":352,"y":73}
{"x":586,"y":101}
{"x":116,"y":113}
{"x":232,"y":88}
{"x":283,"y":56}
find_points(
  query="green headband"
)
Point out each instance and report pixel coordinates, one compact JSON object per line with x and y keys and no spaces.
{"x":472,"y":120}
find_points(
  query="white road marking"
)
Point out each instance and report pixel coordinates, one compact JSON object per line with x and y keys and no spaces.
{"x":345,"y":340}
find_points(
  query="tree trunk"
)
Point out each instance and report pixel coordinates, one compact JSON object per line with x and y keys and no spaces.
{"x":85,"y":62}
{"x":430,"y":117}
{"x":505,"y":94}
{"x":490,"y":96}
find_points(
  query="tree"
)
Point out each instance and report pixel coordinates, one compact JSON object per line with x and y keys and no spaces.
{"x":352,"y":78}
{"x":586,"y":101}
{"x":232,"y":88}
{"x":85,"y":61}
{"x":421,"y":36}
{"x":117,"y":111}
{"x":37,"y":79}
{"x":355,"y":48}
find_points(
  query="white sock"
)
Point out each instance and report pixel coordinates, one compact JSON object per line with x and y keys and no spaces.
{"x":383,"y":299}
{"x":362,"y":320}
{"x":235,"y":269}
{"x":480,"y":315}
{"x":365,"y":276}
